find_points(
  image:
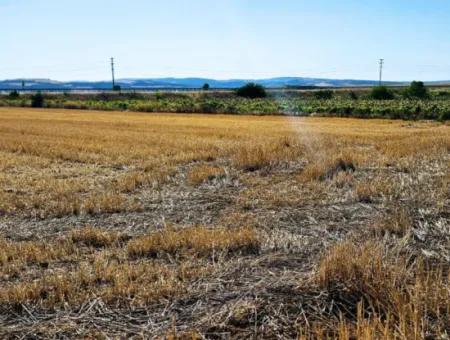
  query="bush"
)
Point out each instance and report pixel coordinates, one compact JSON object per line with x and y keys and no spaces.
{"x":443,"y":94}
{"x":205,"y":87}
{"x":14,"y":94}
{"x":381,"y":93}
{"x":417,"y":89}
{"x":444,"y":116}
{"x":323,"y":94}
{"x":252,"y":90}
{"x":37,"y":100}
{"x":352,"y":95}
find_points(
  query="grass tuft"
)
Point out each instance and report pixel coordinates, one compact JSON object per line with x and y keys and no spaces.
{"x":253,"y":159}
{"x":203,"y":173}
{"x":382,"y":294}
{"x":328,"y":169}
{"x":398,"y":222}
{"x":95,"y":237}
{"x":196,"y":241}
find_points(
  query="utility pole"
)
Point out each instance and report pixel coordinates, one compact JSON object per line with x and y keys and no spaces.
{"x":381,"y":71}
{"x":112,"y":72}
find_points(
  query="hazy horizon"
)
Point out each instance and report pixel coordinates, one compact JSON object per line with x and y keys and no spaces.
{"x":73,"y":41}
{"x":215,"y":79}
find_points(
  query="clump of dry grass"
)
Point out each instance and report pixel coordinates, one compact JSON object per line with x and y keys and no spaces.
{"x":381,"y":187}
{"x":130,"y":182}
{"x":115,"y":283}
{"x":398,"y":222}
{"x":260,"y":154}
{"x":360,"y":268}
{"x":109,"y":203}
{"x":195,"y":241}
{"x":203,"y":173}
{"x":321,"y":170}
{"x":344,"y":180}
{"x":365,"y":193}
{"x":17,"y":255}
{"x":379,"y":294}
{"x":254,"y":158}
{"x":146,"y":175}
{"x":95,"y":237}
{"x":236,"y":219}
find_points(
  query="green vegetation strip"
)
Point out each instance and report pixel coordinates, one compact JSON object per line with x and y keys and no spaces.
{"x":436,"y":106}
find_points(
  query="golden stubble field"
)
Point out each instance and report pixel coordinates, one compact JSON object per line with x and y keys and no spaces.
{"x":120,"y":224}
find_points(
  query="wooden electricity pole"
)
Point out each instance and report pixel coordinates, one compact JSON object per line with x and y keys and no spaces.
{"x":381,"y":71}
{"x":112,"y":72}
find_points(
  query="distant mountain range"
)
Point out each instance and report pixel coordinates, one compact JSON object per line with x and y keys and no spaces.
{"x":187,"y":83}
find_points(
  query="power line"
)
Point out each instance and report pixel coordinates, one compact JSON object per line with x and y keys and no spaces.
{"x":381,"y":71}
{"x":55,"y":67}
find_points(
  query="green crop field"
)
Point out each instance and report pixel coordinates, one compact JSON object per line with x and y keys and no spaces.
{"x":436,"y":107}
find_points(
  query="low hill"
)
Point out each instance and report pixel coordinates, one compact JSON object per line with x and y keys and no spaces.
{"x":186,"y":83}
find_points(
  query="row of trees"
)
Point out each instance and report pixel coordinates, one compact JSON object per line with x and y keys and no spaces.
{"x":37,"y":99}
{"x":416,"y":89}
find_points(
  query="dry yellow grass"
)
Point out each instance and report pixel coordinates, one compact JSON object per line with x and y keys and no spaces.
{"x":397,"y":222}
{"x":397,"y":300}
{"x":202,"y":173}
{"x":259,"y":154}
{"x":95,"y":237}
{"x":121,"y":272}
{"x":77,"y":162}
{"x":17,"y":256}
{"x":305,"y":182}
{"x":116,"y":283}
{"x":195,"y":241}
{"x":328,"y":168}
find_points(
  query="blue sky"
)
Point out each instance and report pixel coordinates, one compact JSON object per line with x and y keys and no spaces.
{"x":74,"y":39}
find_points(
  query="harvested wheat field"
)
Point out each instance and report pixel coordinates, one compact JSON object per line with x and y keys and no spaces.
{"x":120,"y":224}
